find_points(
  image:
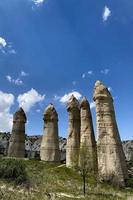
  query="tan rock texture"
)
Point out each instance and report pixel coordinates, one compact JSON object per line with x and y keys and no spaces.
{"x":111,"y":158}
{"x":73,"y":140}
{"x":17,"y":140}
{"x":49,"y":150}
{"x":87,"y":137}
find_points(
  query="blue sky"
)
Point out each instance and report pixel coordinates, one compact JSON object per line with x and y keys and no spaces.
{"x":51,"y":48}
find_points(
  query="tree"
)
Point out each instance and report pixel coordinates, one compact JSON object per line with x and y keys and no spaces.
{"x":87,"y":165}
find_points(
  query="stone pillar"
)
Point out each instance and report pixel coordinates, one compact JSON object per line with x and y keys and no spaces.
{"x":87,"y":137}
{"x":111,"y":158}
{"x":17,"y":140}
{"x":73,"y":140}
{"x":49,"y":150}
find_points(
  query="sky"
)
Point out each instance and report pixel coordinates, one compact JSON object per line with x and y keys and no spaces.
{"x":50,"y":49}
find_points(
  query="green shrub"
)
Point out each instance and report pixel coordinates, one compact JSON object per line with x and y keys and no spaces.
{"x":130,"y":182}
{"x":13,"y":169}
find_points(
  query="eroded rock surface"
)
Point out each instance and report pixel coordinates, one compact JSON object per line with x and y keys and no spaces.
{"x":49,"y":150}
{"x":17,"y":140}
{"x":111,"y":158}
{"x":87,"y":137}
{"x":73,"y":140}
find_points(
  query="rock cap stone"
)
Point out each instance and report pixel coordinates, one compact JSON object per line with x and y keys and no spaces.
{"x":101,"y":91}
{"x":84,"y":103}
{"x":50,"y":113}
{"x":20,"y":116}
{"x":72,"y":103}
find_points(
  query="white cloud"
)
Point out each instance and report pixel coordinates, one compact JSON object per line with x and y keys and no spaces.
{"x":6,"y":48}
{"x":92,"y":105}
{"x":23,"y":73}
{"x":38,"y":2}
{"x":105,"y":71}
{"x":56,"y":97}
{"x":66,"y":97}
{"x":29,"y":99}
{"x":106,"y":13}
{"x":90,"y":72}
{"x":15,"y":81}
{"x":2,"y":42}
{"x":110,"y":89}
{"x":6,"y":122}
{"x":6,"y":101}
{"x":18,"y":82}
{"x":83,"y":75}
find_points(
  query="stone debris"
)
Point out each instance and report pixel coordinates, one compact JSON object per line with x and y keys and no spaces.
{"x":17,"y":139}
{"x":49,"y":150}
{"x":111,"y":158}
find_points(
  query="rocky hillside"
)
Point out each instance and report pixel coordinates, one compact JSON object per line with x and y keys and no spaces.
{"x":32,"y":146}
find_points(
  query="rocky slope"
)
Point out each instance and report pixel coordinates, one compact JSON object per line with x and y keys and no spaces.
{"x":32,"y":146}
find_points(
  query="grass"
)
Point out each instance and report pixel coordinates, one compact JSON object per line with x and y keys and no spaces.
{"x":51,"y":181}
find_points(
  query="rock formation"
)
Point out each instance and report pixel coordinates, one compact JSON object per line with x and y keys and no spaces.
{"x":49,"y":150}
{"x":73,"y":140}
{"x":87,"y":137}
{"x":17,"y":139}
{"x":111,"y":158}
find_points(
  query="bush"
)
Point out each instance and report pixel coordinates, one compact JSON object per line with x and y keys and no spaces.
{"x":13,"y":169}
{"x":130,"y":182}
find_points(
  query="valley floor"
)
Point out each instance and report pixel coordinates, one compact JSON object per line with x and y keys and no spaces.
{"x":56,"y":182}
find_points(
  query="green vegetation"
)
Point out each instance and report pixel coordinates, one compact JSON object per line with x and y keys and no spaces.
{"x":13,"y":170}
{"x":52,"y":181}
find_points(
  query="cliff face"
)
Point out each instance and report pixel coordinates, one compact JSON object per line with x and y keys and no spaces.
{"x":128,"y":149}
{"x":32,"y":146}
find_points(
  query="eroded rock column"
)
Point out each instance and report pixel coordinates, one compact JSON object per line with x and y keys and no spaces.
{"x":111,"y":158}
{"x":87,"y":137}
{"x":49,"y":150}
{"x":17,"y":140}
{"x":73,"y":140}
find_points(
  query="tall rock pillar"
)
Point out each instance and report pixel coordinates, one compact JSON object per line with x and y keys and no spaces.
{"x":49,"y":150}
{"x":73,"y":140}
{"x":17,"y":140}
{"x":111,"y":158}
{"x":87,"y":137}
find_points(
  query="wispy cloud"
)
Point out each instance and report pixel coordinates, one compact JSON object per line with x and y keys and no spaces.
{"x":106,"y":13}
{"x":6,"y":48}
{"x":18,"y":80}
{"x":23,"y":73}
{"x":38,"y":2}
{"x":83,"y":75}
{"x":110,"y":89}
{"x":92,"y":105}
{"x":105,"y":71}
{"x":15,"y":81}
{"x":90,"y":72}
